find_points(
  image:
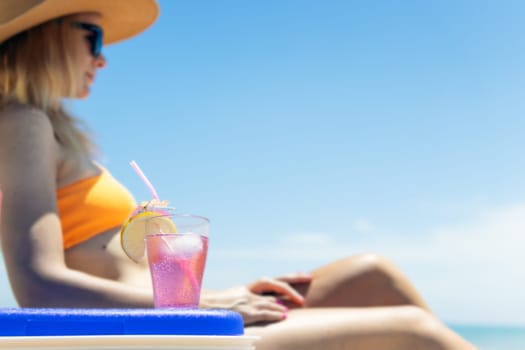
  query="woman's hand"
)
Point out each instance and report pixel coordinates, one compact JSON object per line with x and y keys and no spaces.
{"x":259,"y":301}
{"x":296,"y":278}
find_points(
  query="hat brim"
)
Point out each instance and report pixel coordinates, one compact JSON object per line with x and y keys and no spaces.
{"x":120,"y":19}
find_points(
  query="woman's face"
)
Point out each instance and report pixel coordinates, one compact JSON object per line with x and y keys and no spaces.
{"x":87,"y":63}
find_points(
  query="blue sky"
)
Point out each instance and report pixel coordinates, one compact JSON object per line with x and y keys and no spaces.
{"x":312,"y":130}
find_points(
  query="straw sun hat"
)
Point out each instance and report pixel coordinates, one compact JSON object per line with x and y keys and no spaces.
{"x":120,"y":19}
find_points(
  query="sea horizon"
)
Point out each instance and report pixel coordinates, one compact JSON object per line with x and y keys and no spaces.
{"x":492,"y":337}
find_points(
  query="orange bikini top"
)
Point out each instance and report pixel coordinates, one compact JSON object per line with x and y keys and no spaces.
{"x":91,"y":206}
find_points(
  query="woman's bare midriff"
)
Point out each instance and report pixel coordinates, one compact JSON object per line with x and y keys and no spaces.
{"x":103,"y":256}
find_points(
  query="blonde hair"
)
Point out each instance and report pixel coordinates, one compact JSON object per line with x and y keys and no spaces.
{"x":37,"y":68}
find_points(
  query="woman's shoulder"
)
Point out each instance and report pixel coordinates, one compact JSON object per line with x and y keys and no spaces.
{"x":21,"y":119}
{"x":26,"y":132}
{"x":18,"y":112}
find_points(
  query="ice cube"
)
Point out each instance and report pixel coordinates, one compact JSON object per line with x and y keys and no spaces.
{"x":186,"y":245}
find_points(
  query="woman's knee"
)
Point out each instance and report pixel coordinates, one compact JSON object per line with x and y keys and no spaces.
{"x":358,"y":280}
{"x":380,"y":281}
{"x":374,"y":261}
{"x":371,"y":265}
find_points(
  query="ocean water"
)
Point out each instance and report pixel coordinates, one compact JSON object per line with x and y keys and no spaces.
{"x":493,"y":337}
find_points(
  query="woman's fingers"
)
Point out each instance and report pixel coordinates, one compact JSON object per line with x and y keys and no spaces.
{"x":255,"y":316}
{"x":268,"y":316}
{"x":296,"y":278}
{"x":270,"y":303}
{"x":283,"y":289}
{"x":262,"y":309}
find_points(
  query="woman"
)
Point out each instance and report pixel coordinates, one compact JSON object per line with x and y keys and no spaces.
{"x":61,"y":247}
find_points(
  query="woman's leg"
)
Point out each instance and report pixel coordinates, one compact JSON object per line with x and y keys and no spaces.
{"x":360,"y":280}
{"x":385,"y":328}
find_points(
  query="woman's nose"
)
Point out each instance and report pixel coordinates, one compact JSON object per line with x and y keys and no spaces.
{"x":100,"y":61}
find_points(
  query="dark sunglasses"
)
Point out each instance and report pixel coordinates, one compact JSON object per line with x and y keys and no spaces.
{"x":95,"y":38}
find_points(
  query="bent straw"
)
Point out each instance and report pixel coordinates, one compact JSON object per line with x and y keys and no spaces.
{"x":139,"y":172}
{"x":152,"y":190}
{"x":193,"y":280}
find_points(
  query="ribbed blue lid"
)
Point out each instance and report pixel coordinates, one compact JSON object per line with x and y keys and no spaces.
{"x":62,"y":322}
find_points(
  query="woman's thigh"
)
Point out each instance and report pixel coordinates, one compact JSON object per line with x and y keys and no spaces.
{"x":386,"y":328}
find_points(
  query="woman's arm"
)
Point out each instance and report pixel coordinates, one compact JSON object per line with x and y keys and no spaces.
{"x":30,"y":228}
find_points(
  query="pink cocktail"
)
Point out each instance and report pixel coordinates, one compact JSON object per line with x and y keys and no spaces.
{"x":177,"y":261}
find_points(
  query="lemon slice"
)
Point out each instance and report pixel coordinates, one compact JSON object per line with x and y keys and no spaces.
{"x":134,"y":232}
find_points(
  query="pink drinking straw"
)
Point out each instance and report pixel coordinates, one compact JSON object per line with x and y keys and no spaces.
{"x":140,"y":173}
{"x":185,"y":267}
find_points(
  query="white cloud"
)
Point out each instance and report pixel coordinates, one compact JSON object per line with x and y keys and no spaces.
{"x":300,"y":239}
{"x":362,"y":226}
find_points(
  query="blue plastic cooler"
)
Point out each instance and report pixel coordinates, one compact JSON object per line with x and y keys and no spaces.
{"x":22,"y":328}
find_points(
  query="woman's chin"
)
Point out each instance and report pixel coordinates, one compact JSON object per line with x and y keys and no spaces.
{"x":83,"y":94}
